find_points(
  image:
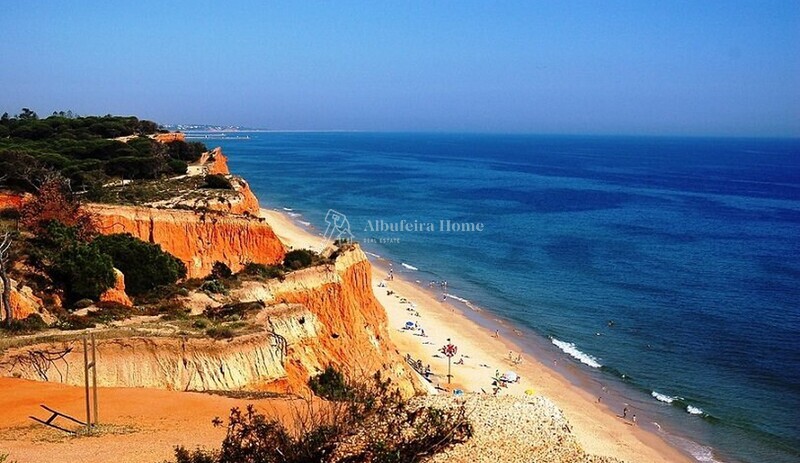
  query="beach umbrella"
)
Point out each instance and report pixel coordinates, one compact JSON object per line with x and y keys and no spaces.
{"x":409,"y":324}
{"x":510,"y":376}
{"x":530,"y":392}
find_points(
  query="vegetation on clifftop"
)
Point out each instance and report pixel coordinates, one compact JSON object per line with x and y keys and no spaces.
{"x":84,"y":150}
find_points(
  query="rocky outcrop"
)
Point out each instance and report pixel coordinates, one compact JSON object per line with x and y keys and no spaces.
{"x":198,"y":239}
{"x":117,"y":292}
{"x":24,"y":303}
{"x":169,"y":137}
{"x":217,"y":162}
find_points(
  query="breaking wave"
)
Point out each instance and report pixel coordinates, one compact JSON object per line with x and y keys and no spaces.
{"x":574,"y":352}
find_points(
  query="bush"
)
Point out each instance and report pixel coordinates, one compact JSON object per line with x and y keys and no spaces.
{"x":214,"y":286}
{"x":262,"y":271}
{"x":375,"y":424}
{"x":218,"y":181}
{"x":108,"y":311}
{"x":145,"y":265}
{"x":76,"y":322}
{"x":330,"y":384}
{"x":189,"y":152}
{"x":299,"y":258}
{"x":177,"y":167}
{"x":30,"y":324}
{"x":220,"y":271}
{"x":173,"y":310}
{"x":134,"y":167}
{"x":238,"y":311}
{"x":85,"y":271}
{"x":220,"y":332}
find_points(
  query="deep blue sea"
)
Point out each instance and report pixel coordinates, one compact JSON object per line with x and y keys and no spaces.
{"x":667,"y":269}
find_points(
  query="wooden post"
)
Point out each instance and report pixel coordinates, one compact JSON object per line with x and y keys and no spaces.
{"x":94,"y":380}
{"x":86,"y":383}
{"x":449,"y":359}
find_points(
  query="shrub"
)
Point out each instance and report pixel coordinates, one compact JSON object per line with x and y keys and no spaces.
{"x":108,"y":311}
{"x":177,"y":167}
{"x":85,"y":271}
{"x":173,"y":310}
{"x":189,"y":152}
{"x":238,"y":311}
{"x":220,"y":271}
{"x":134,"y":167}
{"x":375,"y":424}
{"x":220,"y":332}
{"x":218,"y":181}
{"x":214,"y":286}
{"x":299,"y":258}
{"x":145,"y":265}
{"x":262,"y":271}
{"x":54,"y":203}
{"x":76,"y":322}
{"x":30,"y":324}
{"x":330,"y":384}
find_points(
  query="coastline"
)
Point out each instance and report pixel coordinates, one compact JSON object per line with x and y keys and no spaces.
{"x":597,"y":427}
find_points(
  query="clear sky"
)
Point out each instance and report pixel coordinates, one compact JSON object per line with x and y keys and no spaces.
{"x":595,"y":67}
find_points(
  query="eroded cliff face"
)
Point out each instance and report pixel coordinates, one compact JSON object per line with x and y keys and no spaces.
{"x":353,"y":332}
{"x":316,"y":317}
{"x":198,"y":239}
{"x":253,"y":362}
{"x":169,"y":137}
{"x":24,"y":302}
{"x":117,"y":292}
{"x":218,"y":163}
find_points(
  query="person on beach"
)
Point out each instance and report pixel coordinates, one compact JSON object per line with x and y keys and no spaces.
{"x":496,"y":334}
{"x":634,"y":419}
{"x":625,"y":412}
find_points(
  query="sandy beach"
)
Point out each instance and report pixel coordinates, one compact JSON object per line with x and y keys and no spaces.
{"x":598,"y":429}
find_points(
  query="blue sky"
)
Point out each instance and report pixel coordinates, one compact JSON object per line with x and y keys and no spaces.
{"x":594,"y":67}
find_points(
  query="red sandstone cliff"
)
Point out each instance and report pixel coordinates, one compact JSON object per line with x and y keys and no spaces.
{"x":218,"y":163}
{"x":198,"y":239}
{"x":169,"y":137}
{"x":327,"y":315}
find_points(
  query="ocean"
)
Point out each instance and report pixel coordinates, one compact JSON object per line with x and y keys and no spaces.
{"x":664,"y":269}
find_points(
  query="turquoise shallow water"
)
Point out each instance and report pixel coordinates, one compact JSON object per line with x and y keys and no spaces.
{"x":665,"y":268}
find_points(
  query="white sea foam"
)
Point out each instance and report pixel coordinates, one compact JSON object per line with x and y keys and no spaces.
{"x":307,"y":224}
{"x":466,"y":302}
{"x":372,"y":254}
{"x":574,"y":352}
{"x":294,"y":214}
{"x":701,"y":453}
{"x":663,"y":397}
{"x":288,"y":209}
{"x":410,"y":267}
{"x":694,"y":410}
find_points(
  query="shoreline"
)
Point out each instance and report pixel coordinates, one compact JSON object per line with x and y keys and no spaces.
{"x":596,"y":426}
